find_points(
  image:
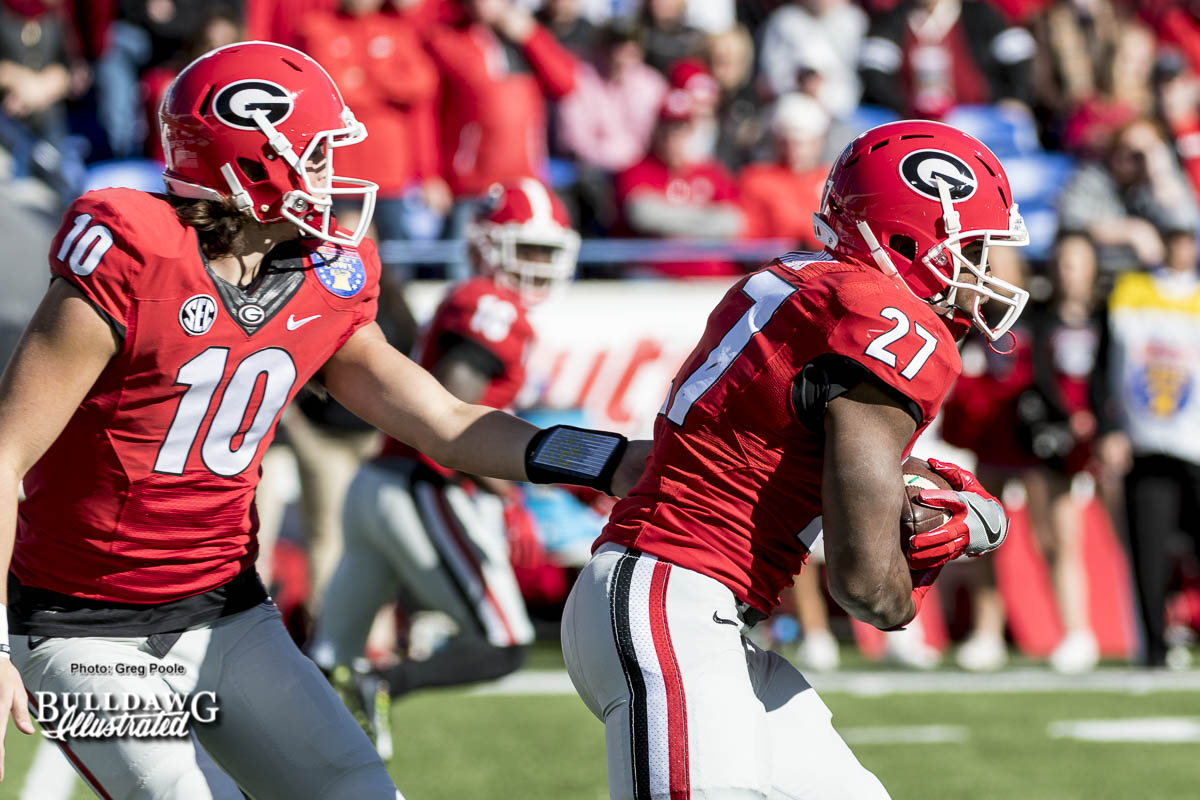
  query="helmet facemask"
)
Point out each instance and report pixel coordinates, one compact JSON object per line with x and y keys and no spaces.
{"x":299,"y":206}
{"x":983,"y":286}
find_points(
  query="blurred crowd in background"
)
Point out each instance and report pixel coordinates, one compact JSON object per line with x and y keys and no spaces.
{"x":716,"y":121}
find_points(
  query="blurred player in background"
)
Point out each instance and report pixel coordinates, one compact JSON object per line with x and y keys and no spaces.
{"x":788,"y":424}
{"x":137,"y":407}
{"x":438,"y":533}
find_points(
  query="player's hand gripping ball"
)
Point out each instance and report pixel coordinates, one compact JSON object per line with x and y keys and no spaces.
{"x":947,"y":513}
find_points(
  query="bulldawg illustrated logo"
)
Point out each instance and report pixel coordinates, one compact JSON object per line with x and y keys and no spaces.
{"x":103,"y":715}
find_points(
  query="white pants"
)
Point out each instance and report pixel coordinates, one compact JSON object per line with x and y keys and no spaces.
{"x":447,"y":549}
{"x":692,"y":709}
{"x":281,"y":732}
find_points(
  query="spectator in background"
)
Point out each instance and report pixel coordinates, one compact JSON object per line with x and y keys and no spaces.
{"x":497,"y":67}
{"x":779,"y":198}
{"x":605,"y":125}
{"x":1152,"y":422}
{"x":692,"y":76}
{"x":35,"y":79}
{"x":1058,"y":425}
{"x":607,"y":122}
{"x":378,"y":61}
{"x":145,"y":34}
{"x":1177,"y":23}
{"x":1075,"y":40}
{"x":1177,"y":88}
{"x":730,"y":57}
{"x":668,"y":36}
{"x":222,"y":26}
{"x":807,"y":36}
{"x":1123,"y":91}
{"x":672,"y":193}
{"x":926,"y":56}
{"x":1123,"y":202}
{"x":564,"y":19}
{"x":279,"y":20}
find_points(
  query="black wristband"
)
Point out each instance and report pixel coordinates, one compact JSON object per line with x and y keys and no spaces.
{"x":576,"y":456}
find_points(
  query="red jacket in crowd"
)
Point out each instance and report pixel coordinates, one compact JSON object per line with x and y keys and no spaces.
{"x":704,"y":183}
{"x":390,"y":84}
{"x":779,"y":203}
{"x":492,"y":111}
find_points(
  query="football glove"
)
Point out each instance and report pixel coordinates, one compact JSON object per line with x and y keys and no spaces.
{"x":922,"y":581}
{"x":977,"y":523}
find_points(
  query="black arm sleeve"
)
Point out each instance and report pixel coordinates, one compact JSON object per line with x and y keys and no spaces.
{"x":830,"y":376}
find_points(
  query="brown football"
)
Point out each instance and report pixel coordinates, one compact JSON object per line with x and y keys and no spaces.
{"x":914,"y":517}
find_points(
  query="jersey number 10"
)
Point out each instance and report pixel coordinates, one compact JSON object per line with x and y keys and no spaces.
{"x":202,"y":376}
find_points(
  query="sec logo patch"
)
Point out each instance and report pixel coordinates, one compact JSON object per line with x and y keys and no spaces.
{"x":197,"y":314}
{"x":339,"y":270}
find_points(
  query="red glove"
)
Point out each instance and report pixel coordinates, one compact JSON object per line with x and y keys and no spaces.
{"x":922,"y":581}
{"x":977,"y":522}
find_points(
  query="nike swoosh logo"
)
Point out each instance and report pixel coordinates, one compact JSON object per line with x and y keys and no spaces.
{"x":293,"y":323}
{"x":993,"y":533}
{"x":721,"y":621}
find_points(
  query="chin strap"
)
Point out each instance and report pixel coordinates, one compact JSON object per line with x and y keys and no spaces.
{"x":882,"y":260}
{"x":998,"y":351}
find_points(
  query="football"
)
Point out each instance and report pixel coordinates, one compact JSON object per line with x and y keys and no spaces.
{"x":914,"y":517}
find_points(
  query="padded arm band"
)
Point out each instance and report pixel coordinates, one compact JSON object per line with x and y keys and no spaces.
{"x":577,"y":456}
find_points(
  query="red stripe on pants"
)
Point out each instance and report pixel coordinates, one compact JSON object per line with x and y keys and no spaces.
{"x":83,"y":771}
{"x":676,"y":706}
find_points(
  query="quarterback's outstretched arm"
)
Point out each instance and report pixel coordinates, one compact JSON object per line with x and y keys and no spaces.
{"x":387,"y":389}
{"x":866,"y":432}
{"x":64,"y":349}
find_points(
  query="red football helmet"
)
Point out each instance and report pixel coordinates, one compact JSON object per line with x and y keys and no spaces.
{"x":244,"y":120}
{"x":909,"y":196}
{"x":523,"y":237}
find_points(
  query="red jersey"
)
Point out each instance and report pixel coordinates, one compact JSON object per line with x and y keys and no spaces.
{"x":732,"y":488}
{"x":490,"y":316}
{"x":147,"y":494}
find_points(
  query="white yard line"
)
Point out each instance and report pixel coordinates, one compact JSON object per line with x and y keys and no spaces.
{"x":904,"y":734}
{"x":874,"y":683}
{"x":1162,"y":730}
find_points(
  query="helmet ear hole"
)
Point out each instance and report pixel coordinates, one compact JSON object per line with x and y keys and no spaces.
{"x":253,"y":171}
{"x":904,"y":245}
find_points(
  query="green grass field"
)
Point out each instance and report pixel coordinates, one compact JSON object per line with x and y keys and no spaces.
{"x":454,"y":744}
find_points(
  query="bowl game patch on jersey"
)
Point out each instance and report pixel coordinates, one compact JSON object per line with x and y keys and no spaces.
{"x":339,"y":269}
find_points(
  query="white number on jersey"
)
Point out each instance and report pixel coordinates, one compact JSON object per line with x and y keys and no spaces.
{"x":82,"y":251}
{"x":493,"y":318}
{"x":768,"y":291}
{"x":878,"y":348}
{"x":202,"y":375}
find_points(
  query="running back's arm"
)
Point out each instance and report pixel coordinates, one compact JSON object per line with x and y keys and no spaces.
{"x":866,"y":432}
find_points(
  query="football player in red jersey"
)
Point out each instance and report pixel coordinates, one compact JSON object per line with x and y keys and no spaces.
{"x":789,"y":422}
{"x":137,"y":407}
{"x":411,"y":523}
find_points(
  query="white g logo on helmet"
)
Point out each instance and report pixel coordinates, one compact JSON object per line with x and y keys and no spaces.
{"x":236,"y":103}
{"x":921,"y":169}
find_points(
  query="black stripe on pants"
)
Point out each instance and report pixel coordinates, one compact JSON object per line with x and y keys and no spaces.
{"x":639,"y":732}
